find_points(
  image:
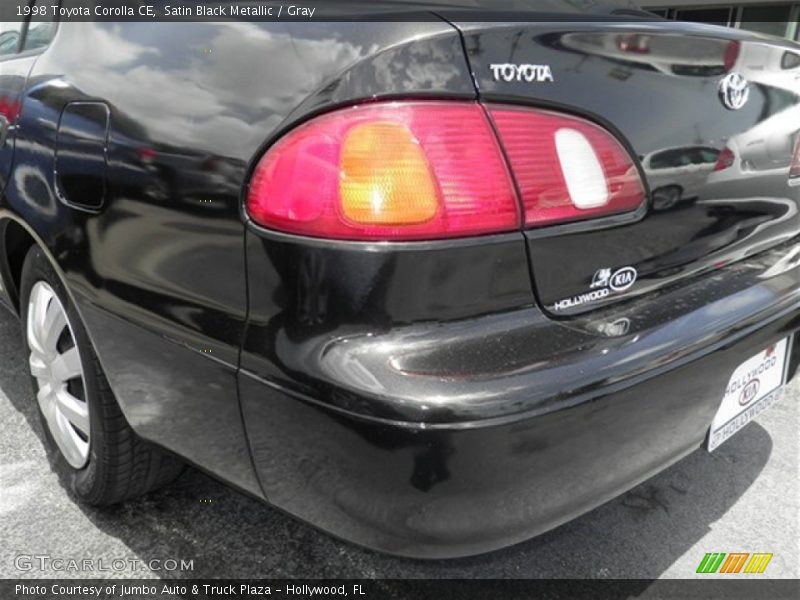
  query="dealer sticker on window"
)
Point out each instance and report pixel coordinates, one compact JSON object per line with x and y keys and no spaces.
{"x":754,"y":386}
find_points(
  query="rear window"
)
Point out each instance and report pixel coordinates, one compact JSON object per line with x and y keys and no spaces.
{"x":38,"y":36}
{"x":790,"y":60}
{"x":40,"y":30}
{"x":9,"y":38}
{"x":683,"y":157}
{"x":704,"y":156}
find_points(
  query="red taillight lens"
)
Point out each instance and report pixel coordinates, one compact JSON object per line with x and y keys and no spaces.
{"x":393,"y":171}
{"x":566,"y":168}
{"x":635,"y":43}
{"x":146,"y":155}
{"x":429,"y":170}
{"x":9,"y":109}
{"x":725,"y":159}
{"x":794,"y":170}
{"x":732,"y":54}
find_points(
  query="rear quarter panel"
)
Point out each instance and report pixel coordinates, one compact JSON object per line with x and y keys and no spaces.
{"x":158,"y":274}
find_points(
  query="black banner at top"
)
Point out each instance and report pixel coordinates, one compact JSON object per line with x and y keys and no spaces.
{"x":329,"y":10}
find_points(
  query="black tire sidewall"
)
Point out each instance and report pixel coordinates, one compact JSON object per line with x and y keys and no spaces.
{"x":83,"y":482}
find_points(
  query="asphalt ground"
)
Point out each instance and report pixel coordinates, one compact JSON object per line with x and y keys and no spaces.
{"x":745,"y":497}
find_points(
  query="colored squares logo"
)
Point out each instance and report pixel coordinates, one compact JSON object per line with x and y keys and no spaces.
{"x":734,"y":562}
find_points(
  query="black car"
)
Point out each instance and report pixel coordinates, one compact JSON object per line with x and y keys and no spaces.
{"x":399,"y":276}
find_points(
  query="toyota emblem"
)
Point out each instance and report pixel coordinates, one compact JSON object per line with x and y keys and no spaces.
{"x":734,"y":90}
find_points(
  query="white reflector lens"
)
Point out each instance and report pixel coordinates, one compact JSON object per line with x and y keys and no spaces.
{"x":582,"y":170}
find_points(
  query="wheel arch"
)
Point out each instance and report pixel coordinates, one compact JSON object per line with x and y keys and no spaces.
{"x":17,"y":237}
{"x":17,"y":240}
{"x":677,"y":186}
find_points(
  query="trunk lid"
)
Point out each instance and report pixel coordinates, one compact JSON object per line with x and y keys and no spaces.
{"x":717,"y":176}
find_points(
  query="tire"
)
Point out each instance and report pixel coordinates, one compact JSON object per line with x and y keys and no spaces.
{"x":108,"y":463}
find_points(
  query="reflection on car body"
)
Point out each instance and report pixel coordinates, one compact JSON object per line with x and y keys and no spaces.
{"x":677,"y":174}
{"x":344,"y":267}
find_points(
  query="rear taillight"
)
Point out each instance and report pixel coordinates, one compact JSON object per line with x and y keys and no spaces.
{"x":430,"y":170}
{"x":634,"y":43}
{"x":393,"y":171}
{"x":725,"y":159}
{"x":566,"y":168}
{"x":9,"y":109}
{"x":794,"y":169}
{"x":732,"y":54}
{"x":146,"y":155}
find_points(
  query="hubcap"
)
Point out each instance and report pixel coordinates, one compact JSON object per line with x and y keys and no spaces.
{"x":56,"y":365}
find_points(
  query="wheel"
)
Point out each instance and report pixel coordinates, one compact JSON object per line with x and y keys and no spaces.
{"x":666,"y":197}
{"x":92,"y":447}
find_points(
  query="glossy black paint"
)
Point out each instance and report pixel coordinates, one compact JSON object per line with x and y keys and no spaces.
{"x":80,"y":164}
{"x":13,"y":75}
{"x":443,"y":418}
{"x":657,"y":92}
{"x":417,"y":398}
{"x":457,"y":438}
{"x":306,"y":299}
{"x":153,"y":250}
{"x":515,"y":362}
{"x":451,"y":491}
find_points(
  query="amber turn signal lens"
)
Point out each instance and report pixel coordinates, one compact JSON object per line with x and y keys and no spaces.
{"x":385,"y":178}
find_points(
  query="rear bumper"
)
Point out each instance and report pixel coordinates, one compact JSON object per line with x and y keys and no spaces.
{"x":461,"y":438}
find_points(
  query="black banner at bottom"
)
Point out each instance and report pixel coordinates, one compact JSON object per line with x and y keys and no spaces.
{"x":388,"y":589}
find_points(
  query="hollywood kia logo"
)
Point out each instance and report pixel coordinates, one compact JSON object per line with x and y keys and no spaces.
{"x":749,"y":391}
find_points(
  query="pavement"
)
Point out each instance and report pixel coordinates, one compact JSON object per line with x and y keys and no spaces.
{"x":745,"y":497}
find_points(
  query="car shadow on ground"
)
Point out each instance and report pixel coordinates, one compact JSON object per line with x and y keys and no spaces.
{"x":228,"y":535}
